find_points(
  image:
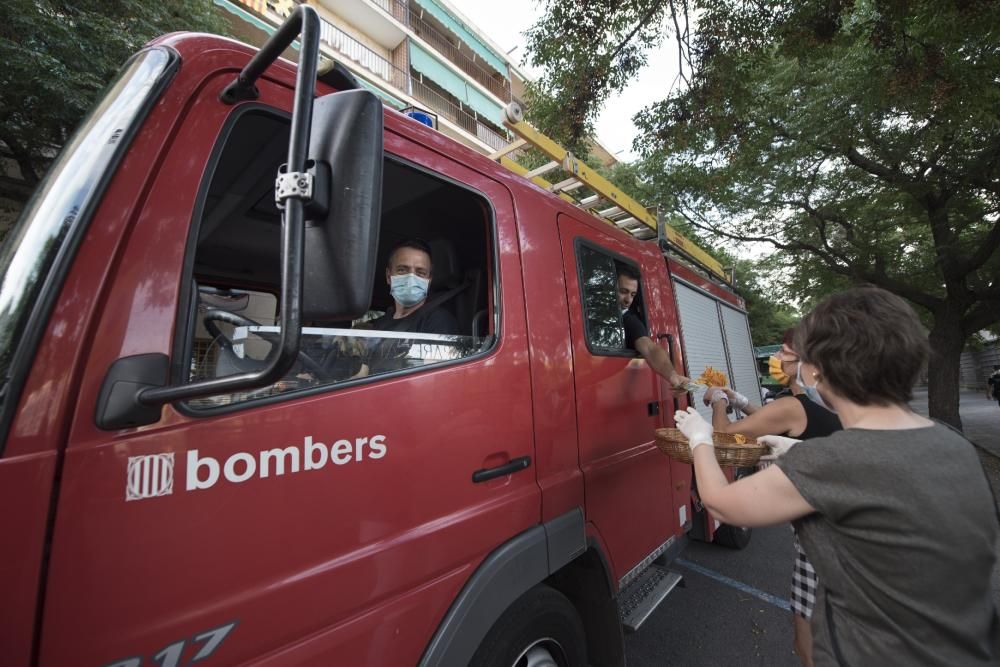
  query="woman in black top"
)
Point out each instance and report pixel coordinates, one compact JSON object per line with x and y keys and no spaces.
{"x":798,"y":417}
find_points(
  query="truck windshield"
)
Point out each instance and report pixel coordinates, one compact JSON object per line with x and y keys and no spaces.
{"x":37,"y":253}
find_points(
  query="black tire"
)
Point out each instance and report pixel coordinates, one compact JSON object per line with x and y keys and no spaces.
{"x":540,"y":620}
{"x":734,"y":537}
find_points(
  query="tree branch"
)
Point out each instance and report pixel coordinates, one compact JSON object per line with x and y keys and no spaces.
{"x":983,"y":252}
{"x":981,"y":316}
{"x":903,"y":289}
{"x":992,"y":294}
{"x":836,"y":262}
{"x":680,"y":43}
{"x":986,"y":164}
{"x":880,"y":170}
{"x":638,"y":26}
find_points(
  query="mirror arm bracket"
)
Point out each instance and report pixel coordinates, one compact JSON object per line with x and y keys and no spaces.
{"x":292,"y":185}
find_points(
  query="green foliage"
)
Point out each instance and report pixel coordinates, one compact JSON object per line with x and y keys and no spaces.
{"x":759,"y":282}
{"x":860,"y":139}
{"x":58,"y":56}
{"x":589,"y":48}
{"x":769,"y":313}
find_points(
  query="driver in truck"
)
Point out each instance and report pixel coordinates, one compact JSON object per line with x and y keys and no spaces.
{"x":409,"y":274}
{"x":637,"y":336}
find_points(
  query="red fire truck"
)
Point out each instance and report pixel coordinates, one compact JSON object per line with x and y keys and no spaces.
{"x":203,"y":457}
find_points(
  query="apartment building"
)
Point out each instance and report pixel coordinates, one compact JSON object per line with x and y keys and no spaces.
{"x":414,"y":54}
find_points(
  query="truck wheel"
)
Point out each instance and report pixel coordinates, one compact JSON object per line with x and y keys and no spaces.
{"x":734,"y":537}
{"x":541,"y":629}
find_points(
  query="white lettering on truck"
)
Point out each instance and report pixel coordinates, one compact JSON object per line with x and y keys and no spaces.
{"x":242,"y":466}
{"x":204,"y":470}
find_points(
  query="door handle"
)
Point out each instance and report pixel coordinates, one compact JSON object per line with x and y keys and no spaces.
{"x":515,"y":465}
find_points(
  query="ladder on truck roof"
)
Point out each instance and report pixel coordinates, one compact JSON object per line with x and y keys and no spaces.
{"x":609,"y":203}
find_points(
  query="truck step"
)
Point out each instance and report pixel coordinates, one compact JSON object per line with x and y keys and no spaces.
{"x":638,"y":601}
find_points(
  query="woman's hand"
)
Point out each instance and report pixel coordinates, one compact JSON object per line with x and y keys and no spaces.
{"x":736,"y":399}
{"x":779,"y":445}
{"x":694,"y":427}
{"x":714,"y":394}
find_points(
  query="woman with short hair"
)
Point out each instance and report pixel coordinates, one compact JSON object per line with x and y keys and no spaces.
{"x":895,"y":511}
{"x":798,"y":417}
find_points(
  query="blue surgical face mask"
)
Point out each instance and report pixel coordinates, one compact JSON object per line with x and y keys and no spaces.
{"x":812,"y":393}
{"x":409,"y":289}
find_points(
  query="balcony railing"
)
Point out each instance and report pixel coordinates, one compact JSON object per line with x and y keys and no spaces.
{"x":362,"y":55}
{"x":456,"y":114}
{"x":405,"y":14}
{"x":402,"y":80}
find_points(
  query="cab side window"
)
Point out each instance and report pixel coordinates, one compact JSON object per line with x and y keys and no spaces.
{"x":610,"y":287}
{"x":235,"y":311}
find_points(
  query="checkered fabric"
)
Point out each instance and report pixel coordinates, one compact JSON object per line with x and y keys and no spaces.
{"x":804,"y":582}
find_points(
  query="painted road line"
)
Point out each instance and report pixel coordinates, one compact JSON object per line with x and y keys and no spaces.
{"x":738,"y":585}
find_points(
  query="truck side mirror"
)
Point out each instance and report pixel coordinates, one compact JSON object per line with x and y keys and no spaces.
{"x":341,"y":234}
{"x":330,"y":192}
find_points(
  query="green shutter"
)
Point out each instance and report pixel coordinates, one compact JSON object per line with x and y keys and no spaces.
{"x":443,"y":76}
{"x":463,"y":33}
{"x":434,"y":70}
{"x":485,"y":106}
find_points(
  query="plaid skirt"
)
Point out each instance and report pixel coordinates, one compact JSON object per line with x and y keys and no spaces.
{"x":804,"y":582}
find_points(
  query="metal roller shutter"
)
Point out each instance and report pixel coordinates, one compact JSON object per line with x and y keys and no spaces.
{"x":703,"y":338}
{"x":742,"y":362}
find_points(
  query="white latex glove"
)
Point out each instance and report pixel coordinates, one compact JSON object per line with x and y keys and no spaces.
{"x":694,"y":427}
{"x":779,"y":445}
{"x":714,"y":394}
{"x":737,"y":399}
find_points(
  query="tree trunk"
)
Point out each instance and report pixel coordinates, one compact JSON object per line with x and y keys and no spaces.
{"x":943,"y":371}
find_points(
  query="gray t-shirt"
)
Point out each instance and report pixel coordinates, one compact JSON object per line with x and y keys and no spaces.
{"x":903,"y":542}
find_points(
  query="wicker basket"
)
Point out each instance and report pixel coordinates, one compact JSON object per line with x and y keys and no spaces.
{"x":728,"y":452}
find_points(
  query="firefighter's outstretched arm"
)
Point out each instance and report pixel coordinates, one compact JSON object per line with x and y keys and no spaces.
{"x":659,"y":360}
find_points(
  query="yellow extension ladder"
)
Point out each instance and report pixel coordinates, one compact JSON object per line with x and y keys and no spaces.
{"x":608,"y":203}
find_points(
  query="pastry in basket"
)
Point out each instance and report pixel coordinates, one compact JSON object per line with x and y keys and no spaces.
{"x":731,"y":449}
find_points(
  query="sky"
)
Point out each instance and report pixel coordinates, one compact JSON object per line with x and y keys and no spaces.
{"x":504,"y":21}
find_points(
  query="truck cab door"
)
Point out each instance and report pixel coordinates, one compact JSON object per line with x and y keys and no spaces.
{"x":627,"y":479}
{"x":334,"y":516}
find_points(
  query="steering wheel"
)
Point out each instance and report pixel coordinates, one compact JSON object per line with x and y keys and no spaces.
{"x":214,"y":315}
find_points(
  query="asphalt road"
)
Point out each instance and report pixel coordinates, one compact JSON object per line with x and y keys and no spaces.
{"x":716,"y":623}
{"x":980,"y":417}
